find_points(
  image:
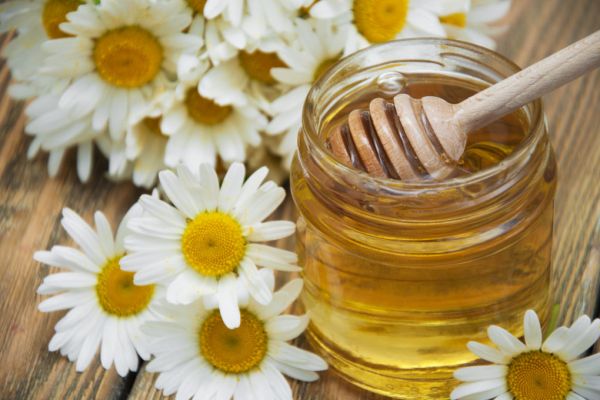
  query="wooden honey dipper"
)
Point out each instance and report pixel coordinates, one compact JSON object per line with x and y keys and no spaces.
{"x":413,"y":137}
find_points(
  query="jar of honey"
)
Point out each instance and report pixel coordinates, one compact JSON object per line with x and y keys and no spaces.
{"x":399,"y":276}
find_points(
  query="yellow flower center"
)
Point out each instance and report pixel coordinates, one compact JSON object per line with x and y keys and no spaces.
{"x":197,"y":5}
{"x":128,"y":57}
{"x":233,"y":351}
{"x":55,"y":13}
{"x":117,"y":294}
{"x":457,"y":19}
{"x":213,"y":243}
{"x":380,"y":20}
{"x":258,"y":65}
{"x":324,"y":66}
{"x":153,"y":125}
{"x":203,"y":110}
{"x":536,"y":375}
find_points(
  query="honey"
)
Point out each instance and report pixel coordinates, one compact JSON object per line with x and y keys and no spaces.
{"x":400,"y":276}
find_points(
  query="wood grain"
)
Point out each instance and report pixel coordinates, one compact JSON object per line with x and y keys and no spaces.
{"x":30,"y":204}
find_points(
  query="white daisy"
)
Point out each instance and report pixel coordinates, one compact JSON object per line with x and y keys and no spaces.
{"x":247,"y":77}
{"x":546,"y":370}
{"x":198,"y":356}
{"x":320,"y":45}
{"x":34,"y":22}
{"x":119,"y":57}
{"x":475,"y":25}
{"x":106,"y":309}
{"x":376,"y":21}
{"x":55,"y":130}
{"x":200,"y":128}
{"x":206,"y":242}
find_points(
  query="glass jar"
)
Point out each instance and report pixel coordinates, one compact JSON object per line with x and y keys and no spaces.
{"x":400,"y":276}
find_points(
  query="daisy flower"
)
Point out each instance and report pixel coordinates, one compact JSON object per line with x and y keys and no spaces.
{"x":206,"y":242}
{"x":246,"y":77}
{"x":106,"y":309}
{"x":474,"y":26}
{"x":320,"y":45}
{"x":120,"y":57}
{"x":55,"y":130}
{"x":546,"y":370}
{"x":198,"y":356}
{"x":377,"y":21}
{"x":34,"y":22}
{"x":201,"y":128}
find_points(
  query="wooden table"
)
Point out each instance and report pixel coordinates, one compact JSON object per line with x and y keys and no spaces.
{"x":31,"y":202}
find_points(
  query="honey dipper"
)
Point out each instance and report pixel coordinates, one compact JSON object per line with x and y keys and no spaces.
{"x":411,"y":137}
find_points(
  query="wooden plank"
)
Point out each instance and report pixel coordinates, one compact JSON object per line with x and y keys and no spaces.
{"x":30,"y":204}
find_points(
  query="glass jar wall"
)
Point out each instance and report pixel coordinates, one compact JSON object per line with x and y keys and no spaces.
{"x":400,"y":276}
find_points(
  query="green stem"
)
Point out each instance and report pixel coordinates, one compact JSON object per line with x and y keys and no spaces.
{"x":553,"y":319}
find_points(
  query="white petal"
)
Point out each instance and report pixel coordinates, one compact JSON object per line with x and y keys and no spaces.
{"x":556,"y":340}
{"x":571,"y":396}
{"x":271,"y":230}
{"x":296,"y":373}
{"x":178,"y":194}
{"x":280,"y":386}
{"x":582,"y":343}
{"x":287,"y":327}
{"x":227,"y":297}
{"x":65,"y":300}
{"x":257,"y":287}
{"x":210,"y":182}
{"x":587,"y":381}
{"x":70,"y":280}
{"x":105,"y":234}
{"x":213,"y":8}
{"x":109,"y":343}
{"x":231,"y":187}
{"x":533,"y":330}
{"x":588,"y":394}
{"x":479,"y":390}
{"x":66,"y":257}
{"x":488,"y":353}
{"x":163,"y":211}
{"x":83,"y":235}
{"x":271,"y":257}
{"x":265,"y":202}
{"x":282,"y":299}
{"x":189,"y":286}
{"x":118,"y":115}
{"x":507,"y":343}
{"x":586,"y":366}
{"x":90,"y":346}
{"x":250,"y":187}
{"x":296,"y":357}
{"x":480,"y":373}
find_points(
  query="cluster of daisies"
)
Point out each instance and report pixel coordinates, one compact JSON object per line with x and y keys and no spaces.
{"x":187,"y":281}
{"x":156,"y":83}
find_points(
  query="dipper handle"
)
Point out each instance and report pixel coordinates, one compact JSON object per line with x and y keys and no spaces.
{"x":529,"y":84}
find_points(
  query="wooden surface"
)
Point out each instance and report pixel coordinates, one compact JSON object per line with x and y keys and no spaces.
{"x":30,"y":203}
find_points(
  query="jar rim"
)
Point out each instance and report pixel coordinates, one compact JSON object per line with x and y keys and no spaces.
{"x":535,"y":131}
